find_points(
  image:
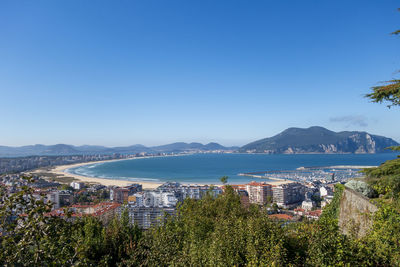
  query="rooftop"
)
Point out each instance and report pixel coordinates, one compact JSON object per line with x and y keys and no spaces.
{"x":281,"y":217}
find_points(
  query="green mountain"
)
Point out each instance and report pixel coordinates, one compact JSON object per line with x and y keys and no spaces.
{"x":319,"y":140}
{"x":62,"y":149}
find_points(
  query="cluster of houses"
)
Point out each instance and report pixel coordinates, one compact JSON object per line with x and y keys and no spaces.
{"x":148,"y":207}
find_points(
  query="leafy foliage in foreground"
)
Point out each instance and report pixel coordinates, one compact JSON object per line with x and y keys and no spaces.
{"x":212,"y":231}
{"x":34,"y":239}
{"x":385,"y":179}
{"x":385,"y":234}
{"x":389,"y":91}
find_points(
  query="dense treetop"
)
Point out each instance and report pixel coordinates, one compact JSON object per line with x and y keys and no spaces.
{"x":208,"y":232}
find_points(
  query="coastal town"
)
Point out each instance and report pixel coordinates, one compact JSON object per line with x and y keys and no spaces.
{"x":147,"y":205}
{"x":199,"y":133}
{"x":21,"y":164}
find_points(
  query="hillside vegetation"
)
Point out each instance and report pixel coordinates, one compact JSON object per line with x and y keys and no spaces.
{"x":320,"y":140}
{"x":208,"y":232}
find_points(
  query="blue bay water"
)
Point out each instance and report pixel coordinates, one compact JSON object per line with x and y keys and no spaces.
{"x":208,"y":168}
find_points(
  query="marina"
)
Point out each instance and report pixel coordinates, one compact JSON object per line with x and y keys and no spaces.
{"x":240,"y":168}
{"x":338,"y":173}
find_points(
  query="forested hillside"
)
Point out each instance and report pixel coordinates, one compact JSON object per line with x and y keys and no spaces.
{"x":212,"y":231}
{"x":320,"y":140}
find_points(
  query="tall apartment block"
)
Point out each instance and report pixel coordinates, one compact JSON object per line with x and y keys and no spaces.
{"x":259,"y":193}
{"x":287,"y":194}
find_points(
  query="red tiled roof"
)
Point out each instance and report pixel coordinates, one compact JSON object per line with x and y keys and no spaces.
{"x":236,"y":186}
{"x":100,"y":209}
{"x":254,"y":183}
{"x":102,"y":204}
{"x":80,"y":191}
{"x":60,"y":212}
{"x":315,"y":213}
{"x":281,"y":216}
{"x":80,"y":206}
{"x":122,"y":189}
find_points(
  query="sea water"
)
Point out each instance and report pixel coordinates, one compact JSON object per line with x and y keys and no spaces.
{"x":208,"y":168}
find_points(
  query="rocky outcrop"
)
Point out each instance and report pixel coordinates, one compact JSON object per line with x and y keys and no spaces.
{"x":319,"y":140}
{"x":355,"y":213}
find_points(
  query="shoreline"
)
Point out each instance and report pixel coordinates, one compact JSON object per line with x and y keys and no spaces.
{"x":61,"y":171}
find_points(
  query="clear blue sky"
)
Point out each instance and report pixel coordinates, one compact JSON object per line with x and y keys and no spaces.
{"x":153,"y":72}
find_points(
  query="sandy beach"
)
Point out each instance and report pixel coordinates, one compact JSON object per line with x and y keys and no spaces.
{"x":61,"y":171}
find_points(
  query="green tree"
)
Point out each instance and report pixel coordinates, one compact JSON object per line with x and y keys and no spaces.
{"x":121,"y":238}
{"x":389,"y":91}
{"x":224,"y":179}
{"x":29,"y":236}
{"x":275,"y":207}
{"x":385,"y":179}
{"x":66,"y":187}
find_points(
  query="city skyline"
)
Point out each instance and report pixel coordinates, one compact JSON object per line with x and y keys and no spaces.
{"x":154,"y":73}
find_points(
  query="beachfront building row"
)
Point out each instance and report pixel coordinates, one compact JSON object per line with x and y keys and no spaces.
{"x":285,"y":195}
{"x":104,"y":211}
{"x":259,"y":193}
{"x":145,"y":217}
{"x":189,"y":191}
{"x":153,"y":199}
{"x":142,"y":216}
{"x":147,"y":208}
{"x":121,"y":194}
{"x":157,"y":197}
{"x":169,"y":194}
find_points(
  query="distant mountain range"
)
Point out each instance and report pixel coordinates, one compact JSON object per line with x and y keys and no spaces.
{"x":62,"y":149}
{"x":319,"y":140}
{"x":291,"y":141}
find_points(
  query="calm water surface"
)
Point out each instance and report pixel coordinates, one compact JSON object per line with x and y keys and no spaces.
{"x":208,"y":168}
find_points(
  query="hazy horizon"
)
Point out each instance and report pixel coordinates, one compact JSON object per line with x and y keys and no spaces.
{"x":166,"y":143}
